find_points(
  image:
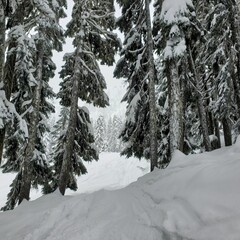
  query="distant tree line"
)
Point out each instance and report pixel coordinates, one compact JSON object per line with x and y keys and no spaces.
{"x":107,"y":134}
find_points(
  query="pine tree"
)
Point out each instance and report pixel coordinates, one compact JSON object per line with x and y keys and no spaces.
{"x":115,"y":144}
{"x":136,"y":65}
{"x":100,"y":134}
{"x":222,"y":59}
{"x":30,"y":95}
{"x":22,"y":97}
{"x":176,"y":35}
{"x":56,"y":157}
{"x":8,"y":114}
{"x":109,"y":133}
{"x":48,"y":38}
{"x":163,"y":116}
{"x":91,"y":27}
{"x":16,"y":10}
{"x":2,"y":54}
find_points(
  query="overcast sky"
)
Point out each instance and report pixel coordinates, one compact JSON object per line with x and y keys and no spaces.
{"x":115,"y":87}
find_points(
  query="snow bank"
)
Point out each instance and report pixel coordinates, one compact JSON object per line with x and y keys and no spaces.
{"x":197,"y":197}
{"x":111,"y":172}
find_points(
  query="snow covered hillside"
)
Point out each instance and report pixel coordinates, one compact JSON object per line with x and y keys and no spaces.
{"x":111,"y":172}
{"x":196,"y":197}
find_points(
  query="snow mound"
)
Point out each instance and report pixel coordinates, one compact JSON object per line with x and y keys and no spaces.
{"x":197,"y":197}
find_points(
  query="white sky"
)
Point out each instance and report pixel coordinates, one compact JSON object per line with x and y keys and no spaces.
{"x":116,"y":88}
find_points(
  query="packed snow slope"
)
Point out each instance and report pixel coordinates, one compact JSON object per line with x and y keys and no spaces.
{"x":196,"y":197}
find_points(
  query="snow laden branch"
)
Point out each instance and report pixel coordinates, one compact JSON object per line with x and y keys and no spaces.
{"x":8,"y":113}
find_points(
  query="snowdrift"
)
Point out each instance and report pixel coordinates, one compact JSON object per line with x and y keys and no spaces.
{"x":196,"y":197}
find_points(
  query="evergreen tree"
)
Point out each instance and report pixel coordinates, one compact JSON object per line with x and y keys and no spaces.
{"x":8,"y":114}
{"x":176,"y":36}
{"x":109,"y":133}
{"x":114,"y":142}
{"x":56,"y":157}
{"x":136,"y":65}
{"x":100,"y":134}
{"x":30,"y":95}
{"x":91,"y":28}
{"x":222,"y":60}
{"x":17,"y":11}
{"x":163,"y":116}
{"x":2,"y":57}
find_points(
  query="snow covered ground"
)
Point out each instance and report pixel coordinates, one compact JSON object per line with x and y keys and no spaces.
{"x":196,"y":197}
{"x":111,"y":172}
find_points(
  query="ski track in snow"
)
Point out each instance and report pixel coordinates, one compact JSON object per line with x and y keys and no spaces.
{"x":196,"y":198}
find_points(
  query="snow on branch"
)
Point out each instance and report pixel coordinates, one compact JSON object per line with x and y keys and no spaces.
{"x":173,"y":11}
{"x":8,"y":114}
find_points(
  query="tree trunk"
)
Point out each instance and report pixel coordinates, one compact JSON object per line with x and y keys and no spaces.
{"x":152,"y":97}
{"x":217,"y":132}
{"x":2,"y":56}
{"x":175,"y":109}
{"x":210,"y":122}
{"x":170,"y":106}
{"x":26,"y":167}
{"x":227,"y":131}
{"x":201,"y":109}
{"x":2,"y":41}
{"x":70,"y":136}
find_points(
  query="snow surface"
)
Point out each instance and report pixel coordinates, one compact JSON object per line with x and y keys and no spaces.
{"x":111,"y":172}
{"x":196,"y":197}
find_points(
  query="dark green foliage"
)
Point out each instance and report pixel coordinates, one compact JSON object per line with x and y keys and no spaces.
{"x":133,"y":65}
{"x":14,"y":193}
{"x":91,"y":29}
{"x":83,"y":151}
{"x":31,"y":94}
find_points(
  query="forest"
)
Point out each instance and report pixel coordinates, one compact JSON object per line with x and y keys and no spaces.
{"x":181,"y":63}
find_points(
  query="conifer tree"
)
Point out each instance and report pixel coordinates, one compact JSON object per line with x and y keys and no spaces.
{"x":2,"y":56}
{"x":222,"y":59}
{"x":16,"y":11}
{"x":109,"y":133}
{"x":30,"y":95}
{"x":114,"y":142}
{"x":56,"y":156}
{"x":176,"y":35}
{"x":91,"y":29}
{"x":100,"y":134}
{"x":136,"y":65}
{"x":163,"y":116}
{"x":8,"y":114}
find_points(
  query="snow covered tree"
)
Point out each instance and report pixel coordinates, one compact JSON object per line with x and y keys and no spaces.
{"x":91,"y":29}
{"x":177,"y":32}
{"x":163,"y":116}
{"x":136,"y":65}
{"x":49,"y":37}
{"x":109,"y":133}
{"x":56,"y":156}
{"x":222,"y":61}
{"x":30,"y":96}
{"x":115,"y":144}
{"x":100,"y":134}
{"x":8,"y":114}
{"x":2,"y":57}
{"x":24,"y":80}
